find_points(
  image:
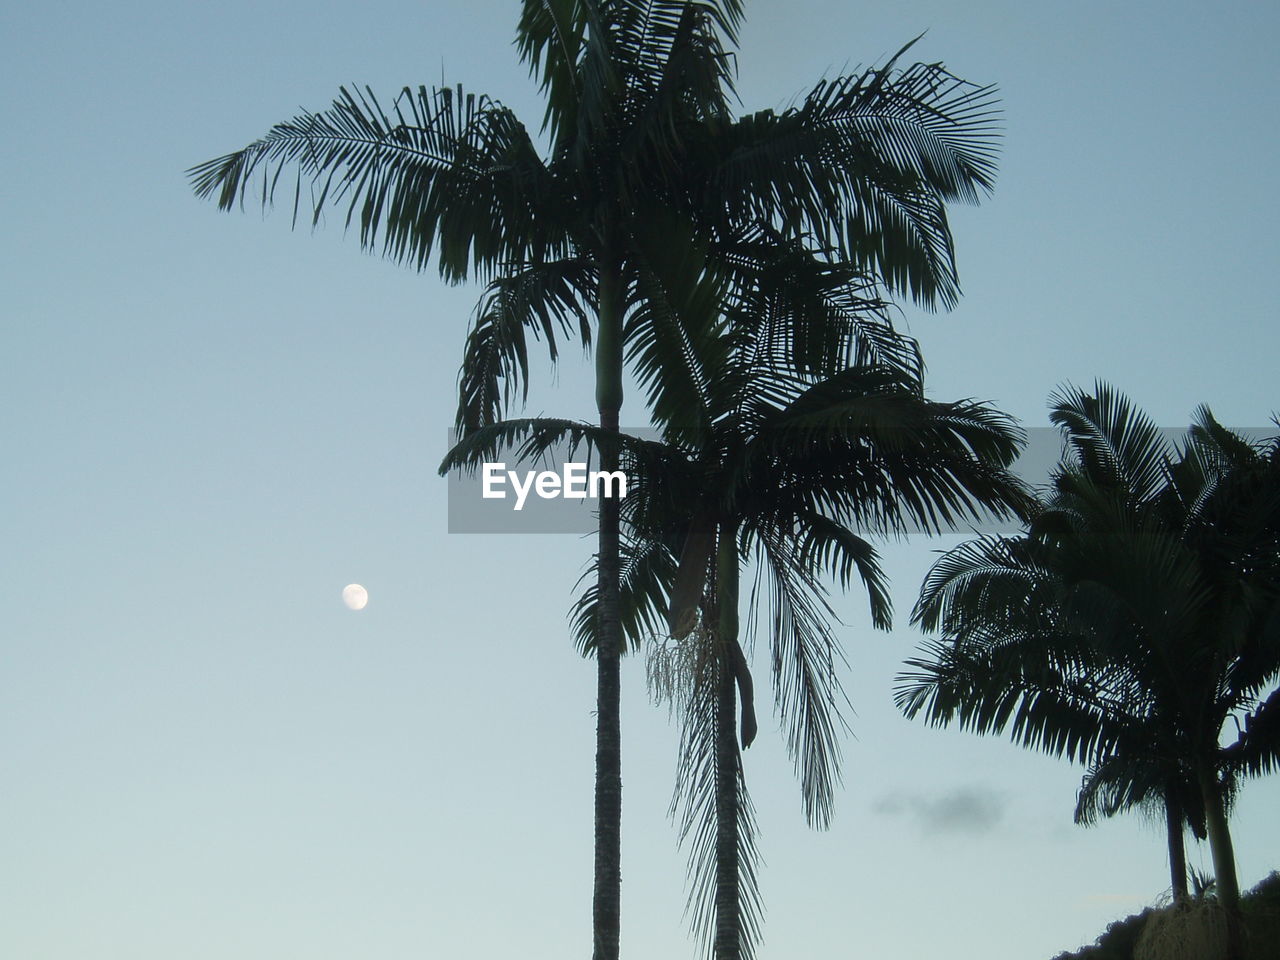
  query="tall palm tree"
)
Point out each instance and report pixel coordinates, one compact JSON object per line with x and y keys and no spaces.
{"x":647,"y":180}
{"x":794,"y":471}
{"x":1139,"y":613}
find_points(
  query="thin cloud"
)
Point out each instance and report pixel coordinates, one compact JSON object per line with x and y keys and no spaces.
{"x":971,"y":811}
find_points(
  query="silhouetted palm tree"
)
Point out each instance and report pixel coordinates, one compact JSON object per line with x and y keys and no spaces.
{"x":1142,"y":770}
{"x":622,"y":227}
{"x":999,"y":604}
{"x":1138,"y":614}
{"x":793,"y":472}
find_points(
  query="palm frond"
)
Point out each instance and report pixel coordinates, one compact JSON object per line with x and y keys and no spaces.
{"x":881,"y":458}
{"x":550,"y":38}
{"x":805,"y":311}
{"x":1114,"y":784}
{"x":1257,"y":749}
{"x":676,"y":58}
{"x":826,"y":546}
{"x":886,"y":149}
{"x":648,"y":568}
{"x":987,"y":581}
{"x":442,"y":171}
{"x":545,"y":300}
{"x":693,"y":807}
{"x":1114,"y":442}
{"x":535,"y":439}
{"x":672,"y":330}
{"x":997,"y":690}
{"x":805,"y":657}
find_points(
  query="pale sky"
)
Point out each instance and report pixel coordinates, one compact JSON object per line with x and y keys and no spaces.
{"x":213,"y":423}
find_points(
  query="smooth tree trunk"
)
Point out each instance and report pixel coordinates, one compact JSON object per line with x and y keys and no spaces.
{"x":1224,"y":858}
{"x":607,"y":890}
{"x":1177,"y":847}
{"x":727,"y":944}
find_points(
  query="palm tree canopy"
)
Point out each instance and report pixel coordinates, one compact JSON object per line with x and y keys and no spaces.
{"x":805,"y":471}
{"x":1135,"y":616}
{"x":646,"y":167}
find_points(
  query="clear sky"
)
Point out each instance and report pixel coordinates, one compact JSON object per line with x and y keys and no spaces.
{"x":211,"y":423}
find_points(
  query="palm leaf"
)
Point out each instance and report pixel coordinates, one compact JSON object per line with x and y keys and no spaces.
{"x":693,"y":807}
{"x":544,"y":299}
{"x":804,"y":658}
{"x":1113,"y":441}
{"x":884,"y":148}
{"x":442,"y":171}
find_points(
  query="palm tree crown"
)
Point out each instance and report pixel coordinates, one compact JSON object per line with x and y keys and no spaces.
{"x":650,"y":190}
{"x":1138,"y":614}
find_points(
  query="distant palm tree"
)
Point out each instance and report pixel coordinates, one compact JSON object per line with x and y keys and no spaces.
{"x":1142,"y":770}
{"x":795,"y":472}
{"x":1139,"y":613}
{"x":624,"y":225}
{"x":999,"y":603}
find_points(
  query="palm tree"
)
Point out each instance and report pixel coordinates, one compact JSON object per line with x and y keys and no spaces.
{"x":999,"y":664}
{"x":623,"y":226}
{"x":1137,"y":615}
{"x":793,"y":471}
{"x":1142,"y":772}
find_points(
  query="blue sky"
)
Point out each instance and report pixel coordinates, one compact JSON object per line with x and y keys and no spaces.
{"x":212,"y":423}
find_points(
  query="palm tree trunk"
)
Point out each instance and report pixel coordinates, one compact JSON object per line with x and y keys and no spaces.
{"x":1177,"y":848}
{"x":1224,"y":858}
{"x":607,"y":892}
{"x":728,"y":931}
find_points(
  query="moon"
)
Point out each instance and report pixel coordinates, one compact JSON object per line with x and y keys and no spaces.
{"x":355,"y":596}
